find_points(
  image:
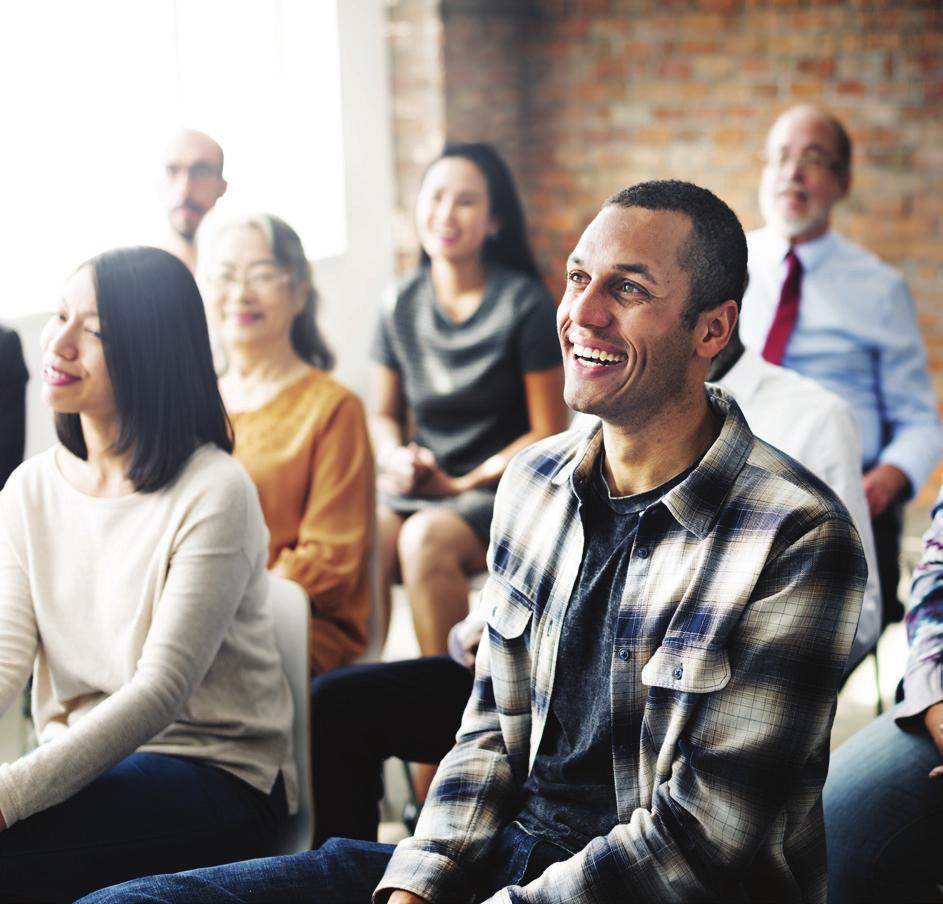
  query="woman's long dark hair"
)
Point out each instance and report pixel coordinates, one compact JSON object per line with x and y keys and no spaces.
{"x":509,"y":246}
{"x":157,"y":351}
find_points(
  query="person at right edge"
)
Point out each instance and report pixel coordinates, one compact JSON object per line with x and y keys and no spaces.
{"x":823,"y":306}
{"x":884,"y":795}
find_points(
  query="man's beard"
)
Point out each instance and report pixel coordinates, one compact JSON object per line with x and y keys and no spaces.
{"x":786,"y":226}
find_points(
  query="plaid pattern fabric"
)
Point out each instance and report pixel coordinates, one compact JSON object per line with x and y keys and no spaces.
{"x":923,"y":677}
{"x":739,"y":608}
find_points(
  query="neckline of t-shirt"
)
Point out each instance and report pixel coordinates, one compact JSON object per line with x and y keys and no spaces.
{"x":637,"y":502}
{"x":487,"y":301}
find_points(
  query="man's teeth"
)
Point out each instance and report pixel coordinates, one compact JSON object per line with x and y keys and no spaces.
{"x":597,"y":354}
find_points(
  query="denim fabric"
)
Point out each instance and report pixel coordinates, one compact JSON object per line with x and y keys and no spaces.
{"x":884,"y":817}
{"x":150,"y":813}
{"x":342,"y":871}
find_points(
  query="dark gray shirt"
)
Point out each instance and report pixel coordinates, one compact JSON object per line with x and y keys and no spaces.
{"x":464,"y":382}
{"x":570,"y":793}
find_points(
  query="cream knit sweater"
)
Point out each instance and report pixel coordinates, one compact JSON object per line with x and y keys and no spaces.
{"x":144,"y":620}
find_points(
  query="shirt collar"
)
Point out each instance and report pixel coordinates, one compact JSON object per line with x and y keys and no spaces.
{"x":810,"y":254}
{"x":698,"y":500}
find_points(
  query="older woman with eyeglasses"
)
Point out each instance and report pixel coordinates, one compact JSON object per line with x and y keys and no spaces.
{"x":301,"y":435}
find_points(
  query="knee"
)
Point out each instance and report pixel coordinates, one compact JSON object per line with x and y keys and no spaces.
{"x":423,"y":540}
{"x":329,"y":692}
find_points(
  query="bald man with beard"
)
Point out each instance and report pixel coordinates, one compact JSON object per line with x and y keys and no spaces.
{"x":192,"y":184}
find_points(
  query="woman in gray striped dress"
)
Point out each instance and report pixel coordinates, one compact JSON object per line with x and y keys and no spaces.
{"x":466,"y":373}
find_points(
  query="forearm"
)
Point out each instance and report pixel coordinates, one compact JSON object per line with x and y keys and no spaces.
{"x":386,"y":433}
{"x":933,"y":721}
{"x":491,"y":470}
{"x":57,"y":770}
{"x":453,"y":836}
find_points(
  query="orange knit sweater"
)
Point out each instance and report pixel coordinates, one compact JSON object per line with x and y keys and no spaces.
{"x":308,"y":453}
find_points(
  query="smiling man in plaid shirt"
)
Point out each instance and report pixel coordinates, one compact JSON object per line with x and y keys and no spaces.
{"x":669,"y":610}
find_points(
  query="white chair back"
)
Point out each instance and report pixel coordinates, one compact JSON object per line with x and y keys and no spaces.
{"x":291,"y":613}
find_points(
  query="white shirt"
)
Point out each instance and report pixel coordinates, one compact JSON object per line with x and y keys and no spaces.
{"x":816,"y":428}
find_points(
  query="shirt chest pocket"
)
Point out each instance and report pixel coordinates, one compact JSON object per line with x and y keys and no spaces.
{"x":507,"y":614}
{"x":688,"y":669}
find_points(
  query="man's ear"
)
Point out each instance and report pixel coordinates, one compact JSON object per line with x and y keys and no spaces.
{"x":714,"y":328}
{"x":844,"y":181}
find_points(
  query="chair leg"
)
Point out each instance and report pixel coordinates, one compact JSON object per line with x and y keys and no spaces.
{"x":412,"y":806}
{"x":877,"y":682}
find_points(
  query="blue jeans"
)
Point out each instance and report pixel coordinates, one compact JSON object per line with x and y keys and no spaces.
{"x":343,"y":871}
{"x":150,"y":813}
{"x":884,"y":817}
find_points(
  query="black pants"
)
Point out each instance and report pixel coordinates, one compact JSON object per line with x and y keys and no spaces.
{"x":887,"y":530}
{"x":361,"y":715}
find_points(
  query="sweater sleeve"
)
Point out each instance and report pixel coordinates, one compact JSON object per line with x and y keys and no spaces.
{"x":207,"y":577}
{"x":331,"y":558}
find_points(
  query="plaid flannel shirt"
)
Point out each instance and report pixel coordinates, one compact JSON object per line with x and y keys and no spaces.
{"x":923,"y":677}
{"x":738,"y":611}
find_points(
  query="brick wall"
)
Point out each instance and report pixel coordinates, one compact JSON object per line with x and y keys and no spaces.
{"x":587,"y":96}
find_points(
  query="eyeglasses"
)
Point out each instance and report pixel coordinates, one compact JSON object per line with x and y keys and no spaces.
{"x":197,"y":172}
{"x":810,"y":158}
{"x":258,"y":281}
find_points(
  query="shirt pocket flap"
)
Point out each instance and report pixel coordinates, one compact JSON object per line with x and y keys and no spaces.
{"x":696,"y":670}
{"x":506,"y":610}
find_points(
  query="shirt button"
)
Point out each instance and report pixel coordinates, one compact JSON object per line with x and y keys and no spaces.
{"x":642,"y":552}
{"x":677,"y":673}
{"x":623,"y":654}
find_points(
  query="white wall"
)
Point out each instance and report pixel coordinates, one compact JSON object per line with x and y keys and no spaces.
{"x":351,"y":284}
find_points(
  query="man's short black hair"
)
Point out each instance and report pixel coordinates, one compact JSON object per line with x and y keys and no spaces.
{"x":157,"y":351}
{"x":715,"y":253}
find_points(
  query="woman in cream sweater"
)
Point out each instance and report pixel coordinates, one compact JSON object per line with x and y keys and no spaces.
{"x":133,"y":587}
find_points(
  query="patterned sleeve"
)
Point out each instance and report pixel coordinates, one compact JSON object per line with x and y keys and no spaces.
{"x":537,"y":344}
{"x":923,"y":677}
{"x":477,"y":783}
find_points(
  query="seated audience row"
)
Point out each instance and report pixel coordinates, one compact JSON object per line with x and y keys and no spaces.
{"x":670,"y":608}
{"x":690,"y":584}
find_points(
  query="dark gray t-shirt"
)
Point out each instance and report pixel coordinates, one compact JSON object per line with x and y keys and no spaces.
{"x":570,"y":793}
{"x":464,"y":382}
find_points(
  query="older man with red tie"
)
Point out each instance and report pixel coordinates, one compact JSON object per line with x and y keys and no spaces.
{"x":825,"y":307}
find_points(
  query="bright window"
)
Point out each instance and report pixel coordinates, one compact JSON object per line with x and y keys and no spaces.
{"x":93,"y":91}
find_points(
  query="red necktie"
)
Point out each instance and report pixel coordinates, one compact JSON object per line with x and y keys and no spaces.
{"x":786,"y":313}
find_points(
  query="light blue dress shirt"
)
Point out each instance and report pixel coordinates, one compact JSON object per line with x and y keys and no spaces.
{"x":857,"y":335}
